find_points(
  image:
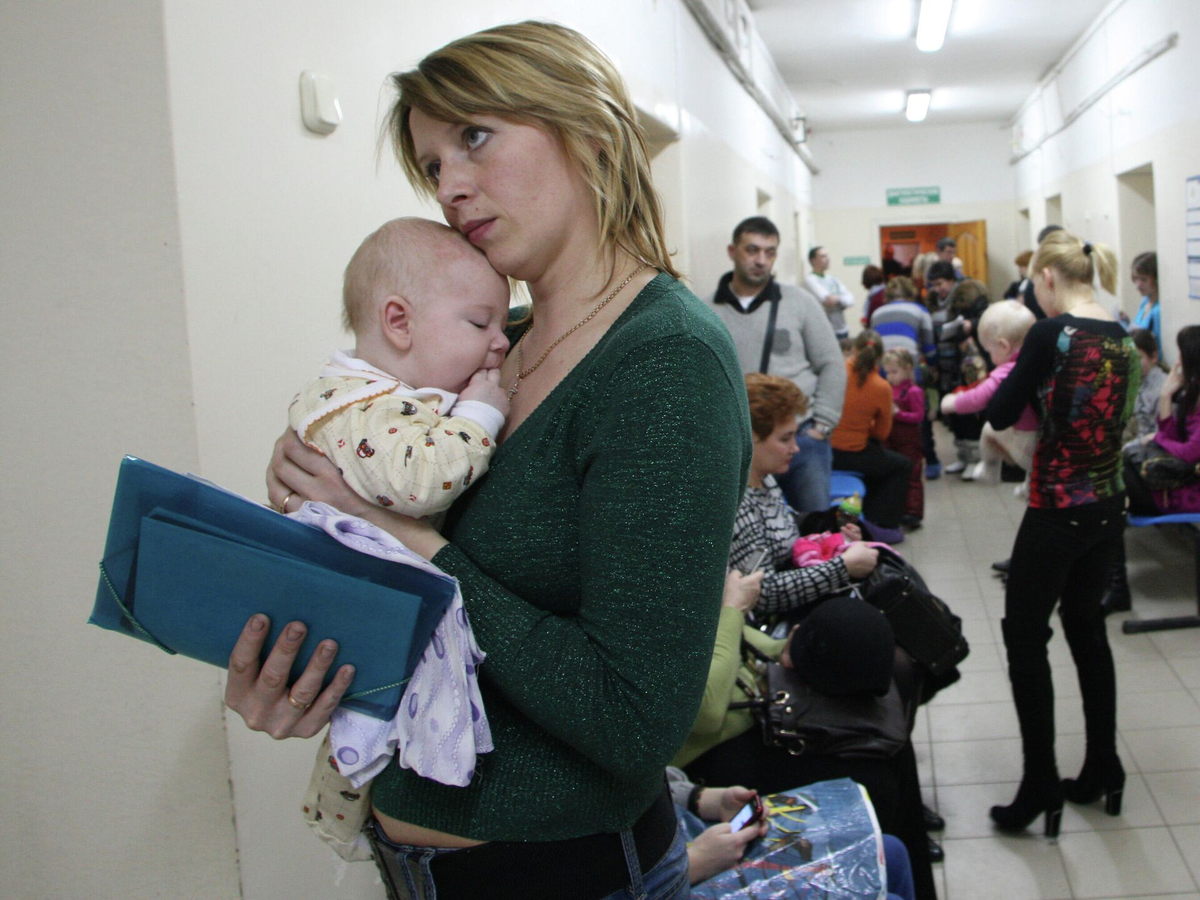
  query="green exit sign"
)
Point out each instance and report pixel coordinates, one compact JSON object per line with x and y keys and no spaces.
{"x":914,"y":196}
{"x":856,"y":260}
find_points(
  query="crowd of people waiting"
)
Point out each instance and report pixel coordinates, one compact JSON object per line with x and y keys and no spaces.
{"x":628,"y":591}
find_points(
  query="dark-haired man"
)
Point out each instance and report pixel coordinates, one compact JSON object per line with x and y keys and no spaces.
{"x":782,"y":329}
{"x":947,"y":252}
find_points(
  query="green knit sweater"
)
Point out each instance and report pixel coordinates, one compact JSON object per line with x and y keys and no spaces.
{"x":592,"y":558}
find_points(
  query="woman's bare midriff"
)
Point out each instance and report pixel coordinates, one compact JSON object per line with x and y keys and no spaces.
{"x":418,"y":836}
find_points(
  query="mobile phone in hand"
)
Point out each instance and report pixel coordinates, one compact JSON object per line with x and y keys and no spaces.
{"x":749,"y":814}
{"x":755,"y":562}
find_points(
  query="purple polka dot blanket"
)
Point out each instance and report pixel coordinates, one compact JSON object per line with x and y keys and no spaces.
{"x":440,"y":725}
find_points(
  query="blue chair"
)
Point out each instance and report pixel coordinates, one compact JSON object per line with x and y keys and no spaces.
{"x":1190,"y":521}
{"x":846,"y":484}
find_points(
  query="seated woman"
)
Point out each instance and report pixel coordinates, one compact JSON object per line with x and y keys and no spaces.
{"x":764,"y":520}
{"x":1178,"y":434}
{"x":724,"y":746}
{"x":1139,"y":433}
{"x":717,"y":848}
{"x":858,"y":440}
{"x":1144,"y":422}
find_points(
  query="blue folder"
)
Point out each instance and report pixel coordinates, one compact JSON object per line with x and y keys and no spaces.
{"x":186,"y":564}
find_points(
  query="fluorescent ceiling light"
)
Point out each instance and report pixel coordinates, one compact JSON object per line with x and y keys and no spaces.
{"x":931,"y":27}
{"x":918,"y":105}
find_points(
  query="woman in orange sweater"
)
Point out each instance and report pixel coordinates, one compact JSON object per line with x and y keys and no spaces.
{"x":858,"y":440}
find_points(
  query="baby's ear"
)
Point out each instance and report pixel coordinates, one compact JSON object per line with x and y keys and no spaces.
{"x":396,"y":321}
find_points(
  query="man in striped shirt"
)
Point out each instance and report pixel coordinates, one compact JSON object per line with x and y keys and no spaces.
{"x":903,"y":323}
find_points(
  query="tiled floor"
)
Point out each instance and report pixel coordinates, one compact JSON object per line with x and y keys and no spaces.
{"x":968,"y":741}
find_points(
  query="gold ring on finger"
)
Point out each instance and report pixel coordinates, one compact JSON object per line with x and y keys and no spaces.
{"x":283,"y":505}
{"x":296,"y":704}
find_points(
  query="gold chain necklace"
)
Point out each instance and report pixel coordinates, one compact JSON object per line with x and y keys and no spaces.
{"x":599,"y":306}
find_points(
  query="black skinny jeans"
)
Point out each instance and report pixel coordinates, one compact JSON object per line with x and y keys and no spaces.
{"x":1062,"y":554}
{"x":885,"y":474}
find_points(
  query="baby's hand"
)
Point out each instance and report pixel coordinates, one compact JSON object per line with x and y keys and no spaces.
{"x":948,"y":405}
{"x":484,"y":387}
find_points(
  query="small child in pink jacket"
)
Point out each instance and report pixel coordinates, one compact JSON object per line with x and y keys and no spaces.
{"x":1002,"y":330}
{"x":908,"y":412}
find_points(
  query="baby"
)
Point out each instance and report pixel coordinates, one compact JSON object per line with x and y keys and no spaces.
{"x":411,"y":416}
{"x":1002,"y":330}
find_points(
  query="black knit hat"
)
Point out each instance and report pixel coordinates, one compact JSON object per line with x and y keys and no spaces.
{"x":845,"y":646}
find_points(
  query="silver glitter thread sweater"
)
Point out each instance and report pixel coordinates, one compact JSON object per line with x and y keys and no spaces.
{"x":592,"y":559}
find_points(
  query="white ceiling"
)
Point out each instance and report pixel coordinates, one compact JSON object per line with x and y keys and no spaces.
{"x":850,"y":62}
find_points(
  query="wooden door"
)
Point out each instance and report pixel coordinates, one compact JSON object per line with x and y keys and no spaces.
{"x":972,"y":247}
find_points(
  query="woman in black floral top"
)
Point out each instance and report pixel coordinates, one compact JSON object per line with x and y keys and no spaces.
{"x":1080,"y":368}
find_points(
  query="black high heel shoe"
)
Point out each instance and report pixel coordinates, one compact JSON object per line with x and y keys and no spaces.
{"x":1101,"y":779}
{"x":1031,"y":801}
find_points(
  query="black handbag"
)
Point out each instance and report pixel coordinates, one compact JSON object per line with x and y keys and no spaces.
{"x":924,"y":625}
{"x":1163,"y":472}
{"x":804,"y":722}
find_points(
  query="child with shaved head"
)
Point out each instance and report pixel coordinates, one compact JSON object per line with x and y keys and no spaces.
{"x":1002,"y":330}
{"x":411,"y":415}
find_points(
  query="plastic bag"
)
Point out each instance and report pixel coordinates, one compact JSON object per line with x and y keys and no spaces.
{"x":823,"y":841}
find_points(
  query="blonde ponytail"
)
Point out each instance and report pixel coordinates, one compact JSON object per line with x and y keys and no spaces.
{"x":1076,"y":261}
{"x":1105,"y":262}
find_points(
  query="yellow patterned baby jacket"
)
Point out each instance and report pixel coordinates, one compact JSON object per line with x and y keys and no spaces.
{"x":392,"y":443}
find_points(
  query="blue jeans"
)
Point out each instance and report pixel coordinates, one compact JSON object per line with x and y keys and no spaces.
{"x":668,"y":880}
{"x":805,"y":485}
{"x":899,"y":870}
{"x":408,"y":870}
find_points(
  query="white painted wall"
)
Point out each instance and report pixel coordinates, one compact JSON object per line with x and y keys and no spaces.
{"x":113,"y":767}
{"x":968,"y":162}
{"x":1152,"y":117}
{"x":172,"y":250}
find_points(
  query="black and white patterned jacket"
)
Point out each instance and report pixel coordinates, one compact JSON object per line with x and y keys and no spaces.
{"x":764,"y":521}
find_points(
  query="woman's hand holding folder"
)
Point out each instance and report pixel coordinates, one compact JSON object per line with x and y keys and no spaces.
{"x":298,"y":473}
{"x":260,"y":694}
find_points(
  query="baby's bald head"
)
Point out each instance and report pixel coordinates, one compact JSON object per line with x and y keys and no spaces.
{"x":398,"y":258}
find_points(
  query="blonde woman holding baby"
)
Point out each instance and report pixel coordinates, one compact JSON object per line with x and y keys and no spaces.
{"x":592,"y":556}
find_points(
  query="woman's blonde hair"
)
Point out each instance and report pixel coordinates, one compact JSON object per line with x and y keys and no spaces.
{"x":921,"y":265}
{"x":1076,"y":260}
{"x":538,"y":73}
{"x":900,"y":286}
